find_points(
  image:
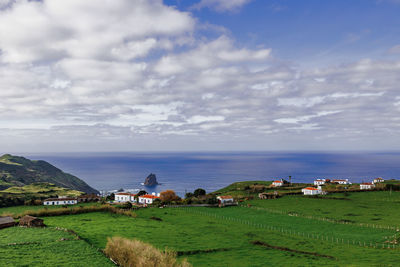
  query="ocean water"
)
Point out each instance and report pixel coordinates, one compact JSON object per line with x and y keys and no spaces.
{"x":184,"y":172}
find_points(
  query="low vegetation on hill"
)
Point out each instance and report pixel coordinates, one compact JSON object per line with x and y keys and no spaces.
{"x":19,"y":171}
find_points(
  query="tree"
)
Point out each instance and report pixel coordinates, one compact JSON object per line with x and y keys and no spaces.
{"x":168,"y":196}
{"x":189,"y":195}
{"x":141,"y":193}
{"x":199,"y":192}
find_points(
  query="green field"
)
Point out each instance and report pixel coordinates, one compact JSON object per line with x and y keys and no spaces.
{"x":46,"y":247}
{"x":352,"y":229}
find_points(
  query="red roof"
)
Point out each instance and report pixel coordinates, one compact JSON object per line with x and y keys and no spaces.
{"x":367,"y":183}
{"x":277,"y":182}
{"x":149,"y":196}
{"x":310,"y":188}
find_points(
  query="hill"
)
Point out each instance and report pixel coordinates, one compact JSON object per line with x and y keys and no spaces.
{"x":20,"y":171}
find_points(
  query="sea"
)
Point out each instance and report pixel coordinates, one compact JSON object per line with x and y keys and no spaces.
{"x":184,"y":172}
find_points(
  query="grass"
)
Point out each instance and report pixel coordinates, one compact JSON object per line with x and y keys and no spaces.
{"x":208,"y":240}
{"x":292,"y":230}
{"x":375,"y":207}
{"x":46,"y":247}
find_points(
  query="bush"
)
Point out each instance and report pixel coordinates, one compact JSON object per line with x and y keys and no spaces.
{"x":129,"y":253}
{"x":199,"y":192}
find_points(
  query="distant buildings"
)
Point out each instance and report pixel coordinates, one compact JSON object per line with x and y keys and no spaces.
{"x":225,"y":200}
{"x":311,"y":191}
{"x":60,"y":201}
{"x":277,"y":183}
{"x":367,"y":186}
{"x":123,"y":197}
{"x":321,"y":181}
{"x":378,"y":180}
{"x":341,"y":181}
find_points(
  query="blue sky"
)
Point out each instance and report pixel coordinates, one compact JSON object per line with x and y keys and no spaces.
{"x":179,"y":75}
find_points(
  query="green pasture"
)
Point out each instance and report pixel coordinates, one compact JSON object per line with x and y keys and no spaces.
{"x":46,"y":247}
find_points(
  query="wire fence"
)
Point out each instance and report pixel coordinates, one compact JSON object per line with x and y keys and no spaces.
{"x":289,"y":232}
{"x":369,"y":225}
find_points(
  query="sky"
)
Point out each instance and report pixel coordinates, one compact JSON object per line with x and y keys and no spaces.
{"x":201,"y":75}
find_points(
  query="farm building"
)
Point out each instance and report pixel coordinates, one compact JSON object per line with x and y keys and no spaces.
{"x":89,"y":198}
{"x":6,"y":222}
{"x":277,"y":183}
{"x":31,"y":221}
{"x":341,"y":181}
{"x":225,"y":200}
{"x":378,"y":180}
{"x":124,"y":197}
{"x":148,"y":199}
{"x":367,"y":186}
{"x":268,"y":195}
{"x":321,"y":181}
{"x":60,"y":201}
{"x":311,"y":191}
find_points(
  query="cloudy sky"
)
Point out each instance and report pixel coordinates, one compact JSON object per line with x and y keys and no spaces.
{"x":179,"y":75}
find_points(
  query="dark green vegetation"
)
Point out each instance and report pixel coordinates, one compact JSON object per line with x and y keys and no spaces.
{"x":340,"y":229}
{"x":46,"y":247}
{"x":19,"y":171}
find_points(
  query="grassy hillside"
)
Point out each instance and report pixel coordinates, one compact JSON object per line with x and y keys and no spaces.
{"x":19,"y":171}
{"x":46,"y":247}
{"x":41,"y":190}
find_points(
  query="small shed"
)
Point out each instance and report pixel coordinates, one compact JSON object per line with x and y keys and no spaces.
{"x":31,"y":221}
{"x":6,"y":222}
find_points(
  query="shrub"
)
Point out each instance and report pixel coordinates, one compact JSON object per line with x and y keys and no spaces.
{"x":199,"y":192}
{"x":129,"y":253}
{"x":168,"y":196}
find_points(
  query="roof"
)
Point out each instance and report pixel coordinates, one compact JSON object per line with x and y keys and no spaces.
{"x":277,"y":182}
{"x":60,"y":199}
{"x":310,"y":188}
{"x":367,"y":184}
{"x":8,"y":219}
{"x":379,"y":178}
{"x":29,"y":218}
{"x":149,"y":196}
{"x":225,"y":197}
{"x":320,"y":180}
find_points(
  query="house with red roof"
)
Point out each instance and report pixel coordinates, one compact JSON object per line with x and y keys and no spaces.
{"x":277,"y":183}
{"x":225,"y":200}
{"x":321,"y":181}
{"x":311,"y":191}
{"x":148,"y":199}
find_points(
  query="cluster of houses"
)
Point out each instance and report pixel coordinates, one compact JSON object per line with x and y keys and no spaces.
{"x":320,"y":182}
{"x":123,"y":197}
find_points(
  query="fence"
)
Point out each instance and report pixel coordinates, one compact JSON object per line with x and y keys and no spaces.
{"x":284,"y":231}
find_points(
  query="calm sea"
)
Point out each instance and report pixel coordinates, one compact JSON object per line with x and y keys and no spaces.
{"x":184,"y":172}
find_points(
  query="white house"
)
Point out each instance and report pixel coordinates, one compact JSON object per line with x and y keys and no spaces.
{"x":378,"y":180}
{"x":277,"y":183}
{"x":124,"y":197}
{"x":341,"y":181}
{"x":60,"y":201}
{"x":321,"y":181}
{"x":311,"y":191}
{"x":148,"y":199}
{"x":225,"y":200}
{"x":367,"y":186}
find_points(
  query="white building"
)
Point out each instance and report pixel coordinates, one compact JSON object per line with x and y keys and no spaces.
{"x":148,"y":199}
{"x":311,"y":191}
{"x":277,"y":183}
{"x":60,"y":201}
{"x":124,"y":197}
{"x":378,"y":180}
{"x":367,"y":186}
{"x":341,"y":181}
{"x":225,"y":200}
{"x":321,"y":181}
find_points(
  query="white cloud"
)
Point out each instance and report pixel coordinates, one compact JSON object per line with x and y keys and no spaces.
{"x":221,"y":5}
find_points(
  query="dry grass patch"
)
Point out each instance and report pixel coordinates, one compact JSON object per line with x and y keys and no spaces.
{"x":135,"y":253}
